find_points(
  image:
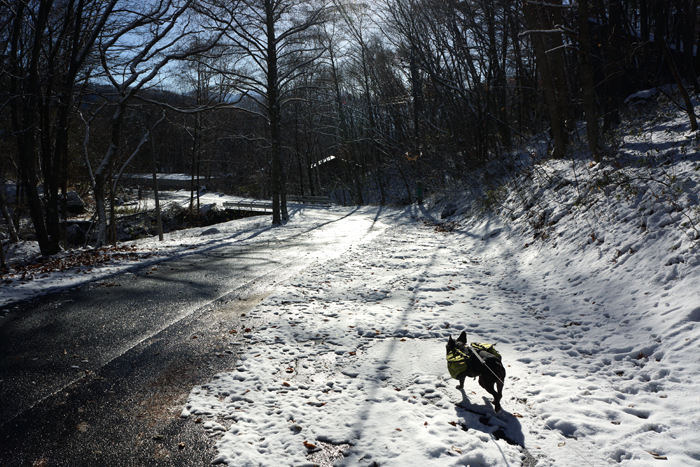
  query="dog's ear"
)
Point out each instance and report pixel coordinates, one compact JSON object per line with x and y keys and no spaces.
{"x":450,"y":343}
{"x":462,"y":337}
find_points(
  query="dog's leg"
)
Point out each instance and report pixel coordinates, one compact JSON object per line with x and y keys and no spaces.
{"x":501,"y":372}
{"x":487,"y":382}
{"x":461,"y":382}
{"x":499,"y":395}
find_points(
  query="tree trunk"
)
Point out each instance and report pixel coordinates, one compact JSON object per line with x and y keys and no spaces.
{"x":613,"y":66}
{"x":688,"y":22}
{"x":644,"y":20}
{"x":101,"y":211}
{"x":159,"y":220}
{"x":561,"y":138}
{"x":103,"y":175}
{"x":112,"y":215}
{"x":686,"y":98}
{"x":6,"y":214}
{"x":193,"y":173}
{"x":297,"y":151}
{"x":587,"y":82}
{"x":496,"y":81}
{"x":273,"y":112}
{"x":310,"y":175}
{"x":23,"y":116}
{"x":2,"y":257}
{"x":558,"y":57}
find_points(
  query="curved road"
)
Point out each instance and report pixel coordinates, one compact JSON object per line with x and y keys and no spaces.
{"x":98,"y":375}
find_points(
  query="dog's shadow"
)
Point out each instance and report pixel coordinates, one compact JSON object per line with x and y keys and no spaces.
{"x":502,"y":425}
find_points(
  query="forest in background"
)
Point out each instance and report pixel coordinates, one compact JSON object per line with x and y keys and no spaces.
{"x":367,"y":103}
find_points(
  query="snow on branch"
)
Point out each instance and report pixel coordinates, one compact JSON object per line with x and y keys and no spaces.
{"x":552,"y":5}
{"x":542,"y":31}
{"x":557,"y":29}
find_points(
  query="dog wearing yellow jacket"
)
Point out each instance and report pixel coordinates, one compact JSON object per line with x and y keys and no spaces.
{"x":480,"y":360}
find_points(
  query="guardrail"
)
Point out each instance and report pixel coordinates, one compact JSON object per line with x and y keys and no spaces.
{"x":310,"y":199}
{"x":248,"y":206}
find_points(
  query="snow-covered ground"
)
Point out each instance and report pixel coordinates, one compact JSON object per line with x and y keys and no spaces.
{"x":587,"y":282}
{"x":601,"y":360}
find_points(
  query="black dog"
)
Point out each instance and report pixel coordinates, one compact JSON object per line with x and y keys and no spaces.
{"x":462,"y":362}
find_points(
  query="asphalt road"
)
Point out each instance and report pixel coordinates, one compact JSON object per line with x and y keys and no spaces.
{"x":98,"y":375}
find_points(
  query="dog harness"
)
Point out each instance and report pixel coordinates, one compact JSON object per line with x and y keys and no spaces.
{"x":460,"y":361}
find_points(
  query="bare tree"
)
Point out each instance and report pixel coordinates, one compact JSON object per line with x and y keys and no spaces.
{"x":269,"y":48}
{"x":199,"y":79}
{"x":139,"y":43}
{"x":48,"y":47}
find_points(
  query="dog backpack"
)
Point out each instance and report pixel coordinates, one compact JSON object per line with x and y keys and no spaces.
{"x":457,"y":362}
{"x":460,"y":361}
{"x":490,"y":348}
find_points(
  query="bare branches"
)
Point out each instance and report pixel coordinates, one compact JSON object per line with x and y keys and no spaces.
{"x":137,"y":45}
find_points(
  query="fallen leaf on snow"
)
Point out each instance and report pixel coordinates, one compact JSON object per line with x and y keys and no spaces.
{"x":657,"y":456}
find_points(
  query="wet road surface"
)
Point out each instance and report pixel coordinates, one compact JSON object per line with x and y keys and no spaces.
{"x":98,"y":375}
